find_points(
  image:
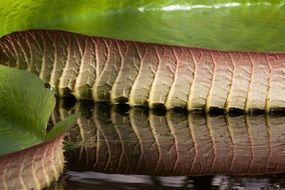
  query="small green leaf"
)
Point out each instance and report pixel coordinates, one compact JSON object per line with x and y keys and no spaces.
{"x":26,"y":106}
{"x":62,"y":126}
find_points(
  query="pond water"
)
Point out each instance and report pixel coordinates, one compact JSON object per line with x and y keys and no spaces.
{"x":117,"y":147}
{"x":93,"y":180}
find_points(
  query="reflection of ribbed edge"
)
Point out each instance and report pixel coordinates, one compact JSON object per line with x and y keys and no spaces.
{"x":172,"y":143}
{"x":34,"y":168}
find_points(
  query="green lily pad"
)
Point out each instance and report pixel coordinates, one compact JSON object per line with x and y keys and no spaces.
{"x":220,"y":24}
{"x":26,"y":106}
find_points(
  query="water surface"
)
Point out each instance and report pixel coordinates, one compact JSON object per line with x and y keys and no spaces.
{"x":133,"y":148}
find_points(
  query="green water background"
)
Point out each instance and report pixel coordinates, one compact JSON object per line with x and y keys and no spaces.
{"x":219,"y":24}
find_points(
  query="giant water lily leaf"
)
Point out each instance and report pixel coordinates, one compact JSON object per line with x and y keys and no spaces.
{"x":144,"y":74}
{"x":220,"y":24}
{"x":26,"y":106}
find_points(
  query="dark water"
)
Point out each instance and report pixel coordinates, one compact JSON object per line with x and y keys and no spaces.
{"x":93,"y":180}
{"x":116,"y":147}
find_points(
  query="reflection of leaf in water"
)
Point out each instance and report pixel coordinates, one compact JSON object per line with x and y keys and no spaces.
{"x":174,"y":143}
